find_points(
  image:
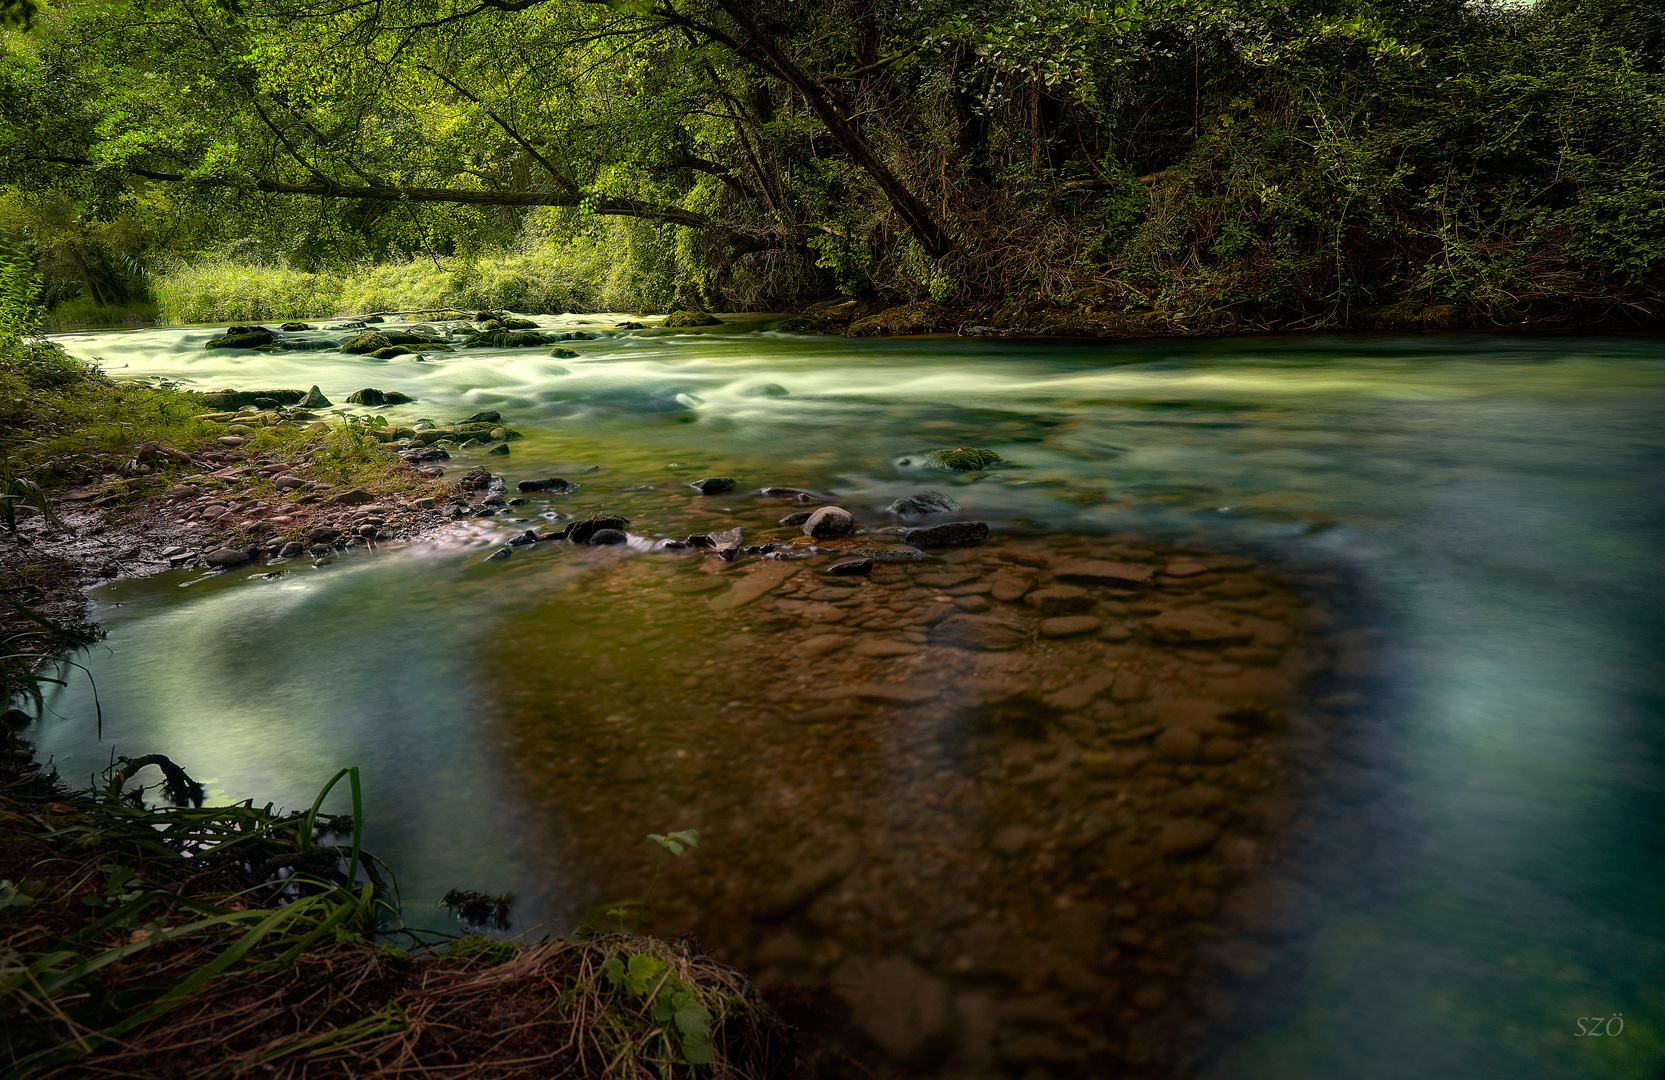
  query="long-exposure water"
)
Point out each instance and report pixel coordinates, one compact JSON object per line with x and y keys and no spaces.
{"x":1493,"y":506}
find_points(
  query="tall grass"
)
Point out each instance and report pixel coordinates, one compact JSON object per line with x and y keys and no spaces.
{"x":613,"y":266}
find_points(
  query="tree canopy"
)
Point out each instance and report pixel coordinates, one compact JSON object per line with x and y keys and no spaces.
{"x":1289,"y":161}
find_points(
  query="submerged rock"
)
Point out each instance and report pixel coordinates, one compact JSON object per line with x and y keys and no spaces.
{"x":948,"y":534}
{"x":923,"y":503}
{"x":988,"y":633}
{"x":1192,"y":624}
{"x":580,"y":532}
{"x":500,"y":450}
{"x":713,"y":485}
{"x":608,"y":536}
{"x":629,"y":326}
{"x":851,"y":568}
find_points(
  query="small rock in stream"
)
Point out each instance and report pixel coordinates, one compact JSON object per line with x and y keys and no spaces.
{"x":948,"y":534}
{"x":713,"y":485}
{"x":851,"y":567}
{"x":828,"y":523}
{"x":500,"y":553}
{"x":923,"y":503}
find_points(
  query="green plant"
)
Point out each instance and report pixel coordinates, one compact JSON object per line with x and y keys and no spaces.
{"x":15,"y":490}
{"x":672,"y":1003}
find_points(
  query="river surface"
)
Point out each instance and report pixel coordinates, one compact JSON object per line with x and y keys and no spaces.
{"x":1495,"y":506}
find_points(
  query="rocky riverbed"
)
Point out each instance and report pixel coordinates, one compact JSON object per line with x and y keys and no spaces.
{"x":1007,"y":809}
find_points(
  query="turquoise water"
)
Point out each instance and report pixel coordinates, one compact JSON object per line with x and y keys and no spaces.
{"x":1500,"y":503}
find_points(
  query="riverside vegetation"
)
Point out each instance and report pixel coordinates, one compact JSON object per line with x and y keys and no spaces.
{"x":1176,"y":166}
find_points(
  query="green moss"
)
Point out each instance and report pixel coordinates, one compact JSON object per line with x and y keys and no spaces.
{"x":963,"y":459}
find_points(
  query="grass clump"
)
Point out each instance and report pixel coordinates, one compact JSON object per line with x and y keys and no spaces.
{"x":197,"y":942}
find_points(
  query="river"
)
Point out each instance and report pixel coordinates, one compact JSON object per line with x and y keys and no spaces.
{"x":1490,"y":511}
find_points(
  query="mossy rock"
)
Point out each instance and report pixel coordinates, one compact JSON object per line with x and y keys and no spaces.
{"x":491,"y":324}
{"x":434,"y":348}
{"x":575,"y":335}
{"x":242,"y":337}
{"x":296,"y":327}
{"x":677,"y":320}
{"x":368,"y":342}
{"x":390,"y":352}
{"x":923,"y":318}
{"x":510,"y":323}
{"x":236,"y":399}
{"x":371,"y":396}
{"x":564,"y":354}
{"x":963,"y":459}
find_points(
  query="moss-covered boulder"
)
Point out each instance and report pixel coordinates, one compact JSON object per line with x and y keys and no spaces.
{"x":237,"y":399}
{"x":390,"y":352}
{"x":963,"y":459}
{"x":677,"y":320}
{"x":565,"y":354}
{"x":368,"y":342}
{"x":512,"y":323}
{"x":296,"y":327}
{"x":575,"y":335}
{"x":242,"y":337}
{"x":922,"y":318}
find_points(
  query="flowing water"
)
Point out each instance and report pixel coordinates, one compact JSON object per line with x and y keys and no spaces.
{"x":1483,"y":515}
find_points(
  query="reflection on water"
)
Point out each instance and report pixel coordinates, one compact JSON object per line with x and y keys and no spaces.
{"x":1482,"y":864}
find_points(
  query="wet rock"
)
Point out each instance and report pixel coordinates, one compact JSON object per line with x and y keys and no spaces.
{"x":291,"y":549}
{"x":352,"y":497}
{"x":296,"y":327}
{"x":242,"y":337}
{"x":390,"y":353}
{"x":986,"y":633}
{"x":553,"y":483}
{"x":829,"y":522}
{"x":314,"y":399}
{"x":627,"y":325}
{"x":1060,"y":600}
{"x":367,"y":396}
{"x":963,"y":459}
{"x":713,"y":485}
{"x":787,"y":493}
{"x":904,"y":1011}
{"x":227,"y":557}
{"x":1064,"y":626}
{"x":1013,"y":840}
{"x":1128,"y":687}
{"x":323,"y":535}
{"x":976,"y":605}
{"x":486,"y":416}
{"x":602,"y":537}
{"x":580,"y":532}
{"x":367,"y":342}
{"x":1188,"y":625}
{"x":500,"y":553}
{"x":1186,"y":836}
{"x":564,"y":354}
{"x":948,"y":534}
{"x":1184,"y":569}
{"x":1100,"y":572}
{"x":477,"y":480}
{"x":575,"y":335}
{"x":879,"y":647}
{"x":500,"y":450}
{"x":923,"y":503}
{"x":678,"y":319}
{"x":798,"y":518}
{"x":851,"y":567}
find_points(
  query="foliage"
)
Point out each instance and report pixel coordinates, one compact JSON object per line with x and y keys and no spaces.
{"x":1289,"y":164}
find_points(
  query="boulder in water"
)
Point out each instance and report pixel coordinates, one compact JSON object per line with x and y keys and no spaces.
{"x":487,"y":416}
{"x":676,"y":320}
{"x":314,"y":399}
{"x":828,"y":523}
{"x":963,"y":459}
{"x":713,"y":485}
{"x":242,"y":337}
{"x":564,"y":354}
{"x":367,"y":342}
